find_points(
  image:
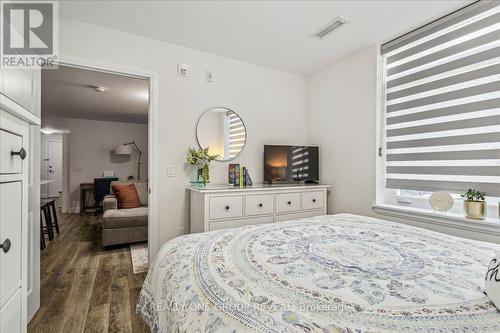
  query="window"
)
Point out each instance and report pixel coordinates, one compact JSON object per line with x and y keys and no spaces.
{"x":442,"y":105}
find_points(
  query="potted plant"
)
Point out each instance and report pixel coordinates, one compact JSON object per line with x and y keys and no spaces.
{"x":474,"y":204}
{"x":200,"y":158}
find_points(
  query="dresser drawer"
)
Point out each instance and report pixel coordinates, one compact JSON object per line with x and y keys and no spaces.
{"x":259,"y":204}
{"x":313,"y":200}
{"x":10,"y":142}
{"x":10,"y":232}
{"x":297,"y":215}
{"x":240,"y":223}
{"x":287,"y":202}
{"x":10,"y":314}
{"x":226,"y":207}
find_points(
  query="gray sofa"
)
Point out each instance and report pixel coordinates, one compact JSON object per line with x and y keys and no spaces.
{"x":124,"y":226}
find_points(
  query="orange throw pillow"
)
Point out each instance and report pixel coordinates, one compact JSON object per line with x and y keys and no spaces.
{"x":126,"y":195}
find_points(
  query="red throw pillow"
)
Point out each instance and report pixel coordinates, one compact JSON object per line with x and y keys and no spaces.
{"x":126,"y":195}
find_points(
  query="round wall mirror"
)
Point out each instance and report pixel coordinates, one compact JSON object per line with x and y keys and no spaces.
{"x":223,"y":132}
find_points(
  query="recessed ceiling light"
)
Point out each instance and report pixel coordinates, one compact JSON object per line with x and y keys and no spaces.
{"x":46,"y":131}
{"x":99,"y":89}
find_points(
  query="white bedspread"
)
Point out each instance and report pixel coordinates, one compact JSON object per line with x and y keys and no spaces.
{"x":340,"y":273}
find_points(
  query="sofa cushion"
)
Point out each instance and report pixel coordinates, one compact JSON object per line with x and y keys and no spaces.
{"x":127,"y":196}
{"x":142,"y":190}
{"x":122,"y":218}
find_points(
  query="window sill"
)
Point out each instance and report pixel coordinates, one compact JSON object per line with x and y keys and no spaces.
{"x":490,"y":226}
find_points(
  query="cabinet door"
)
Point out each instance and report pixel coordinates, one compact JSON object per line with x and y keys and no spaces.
{"x":10,"y":142}
{"x":18,"y":84}
{"x":10,"y":237}
{"x":10,"y":315}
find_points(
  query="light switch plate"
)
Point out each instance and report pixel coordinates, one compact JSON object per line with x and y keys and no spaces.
{"x":170,"y":170}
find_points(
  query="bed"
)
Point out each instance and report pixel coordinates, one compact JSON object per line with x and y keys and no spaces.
{"x":334,"y":273}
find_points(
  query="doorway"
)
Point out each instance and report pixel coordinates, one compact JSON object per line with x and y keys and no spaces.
{"x":152,"y":135}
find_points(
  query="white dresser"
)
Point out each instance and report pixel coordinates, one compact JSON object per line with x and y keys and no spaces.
{"x":214,"y":207}
{"x":19,"y":198}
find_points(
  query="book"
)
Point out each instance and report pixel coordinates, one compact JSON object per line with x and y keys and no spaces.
{"x":237,"y":175}
{"x":231,"y":174}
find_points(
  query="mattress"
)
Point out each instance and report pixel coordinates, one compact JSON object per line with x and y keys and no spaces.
{"x":334,"y":273}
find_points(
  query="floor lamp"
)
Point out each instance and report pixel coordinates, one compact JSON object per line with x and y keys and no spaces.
{"x":127,"y":149}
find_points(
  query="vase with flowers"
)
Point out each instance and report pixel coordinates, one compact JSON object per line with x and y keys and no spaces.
{"x":200,"y":158}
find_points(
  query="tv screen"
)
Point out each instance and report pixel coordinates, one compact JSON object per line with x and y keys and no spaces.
{"x":291,"y":163}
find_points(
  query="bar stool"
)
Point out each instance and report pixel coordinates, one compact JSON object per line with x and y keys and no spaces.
{"x":50,"y":213}
{"x":52,"y":208}
{"x":46,"y":229}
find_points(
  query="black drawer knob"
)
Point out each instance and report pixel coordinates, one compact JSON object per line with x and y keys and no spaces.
{"x":227,"y":207}
{"x":289,"y":203}
{"x":21,"y":153}
{"x":314,"y":200}
{"x":5,"y":246}
{"x":260,"y":205}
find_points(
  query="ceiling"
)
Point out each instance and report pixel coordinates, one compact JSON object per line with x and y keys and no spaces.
{"x":68,"y":92}
{"x":275,"y":34}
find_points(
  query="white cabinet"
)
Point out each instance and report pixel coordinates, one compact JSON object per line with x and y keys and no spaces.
{"x":14,"y":180}
{"x":220,"y":207}
{"x":10,"y":238}
{"x":21,"y":86}
{"x":10,"y":314}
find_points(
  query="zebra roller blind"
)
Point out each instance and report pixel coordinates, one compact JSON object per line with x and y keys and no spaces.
{"x":442,"y":94}
{"x":237,"y":134}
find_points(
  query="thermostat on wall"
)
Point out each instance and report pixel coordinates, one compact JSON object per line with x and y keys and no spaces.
{"x":182,"y":70}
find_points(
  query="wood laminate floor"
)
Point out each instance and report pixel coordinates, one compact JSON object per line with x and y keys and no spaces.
{"x":83,"y":287}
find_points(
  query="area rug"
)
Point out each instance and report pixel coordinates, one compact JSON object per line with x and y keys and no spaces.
{"x":139,"y":254}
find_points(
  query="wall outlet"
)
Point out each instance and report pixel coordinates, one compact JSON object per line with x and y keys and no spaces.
{"x":182,"y":70}
{"x":170,"y":170}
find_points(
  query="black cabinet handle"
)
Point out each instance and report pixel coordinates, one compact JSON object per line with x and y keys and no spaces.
{"x":289,"y":203}
{"x":21,"y":153}
{"x":314,"y":200}
{"x":260,"y":205}
{"x":5,"y":246}
{"x":227,"y":207}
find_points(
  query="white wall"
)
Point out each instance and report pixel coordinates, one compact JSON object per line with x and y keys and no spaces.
{"x":91,"y":145}
{"x":271,"y":103}
{"x":341,"y":119}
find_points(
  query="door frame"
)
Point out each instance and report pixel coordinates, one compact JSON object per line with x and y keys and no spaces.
{"x":153,"y":159}
{"x":153,"y":131}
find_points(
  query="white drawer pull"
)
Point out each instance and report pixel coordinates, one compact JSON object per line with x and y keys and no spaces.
{"x":5,"y":246}
{"x":21,"y":153}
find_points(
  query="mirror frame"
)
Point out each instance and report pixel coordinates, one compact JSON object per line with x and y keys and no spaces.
{"x":228,"y":109}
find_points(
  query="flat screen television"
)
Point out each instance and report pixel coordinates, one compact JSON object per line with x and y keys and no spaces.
{"x":291,"y":164}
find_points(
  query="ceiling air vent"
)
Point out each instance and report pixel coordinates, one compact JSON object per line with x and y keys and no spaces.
{"x":330,"y":27}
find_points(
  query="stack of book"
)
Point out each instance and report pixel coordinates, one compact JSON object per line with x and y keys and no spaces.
{"x":238,"y":176}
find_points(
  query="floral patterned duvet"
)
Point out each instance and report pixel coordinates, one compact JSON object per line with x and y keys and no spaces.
{"x":338,"y":273}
